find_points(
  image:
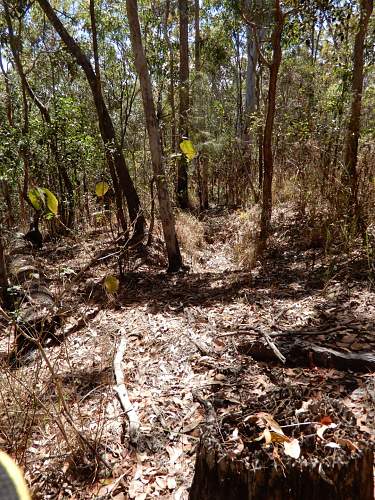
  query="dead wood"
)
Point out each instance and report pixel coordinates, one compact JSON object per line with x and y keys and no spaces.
{"x":303,"y":353}
{"x":122,"y":393}
{"x":37,"y":312}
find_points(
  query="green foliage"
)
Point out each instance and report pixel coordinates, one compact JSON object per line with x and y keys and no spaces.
{"x":44,"y":199}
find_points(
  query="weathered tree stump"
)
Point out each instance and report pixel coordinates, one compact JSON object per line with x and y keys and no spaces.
{"x":338,"y":465}
{"x":36,"y":312}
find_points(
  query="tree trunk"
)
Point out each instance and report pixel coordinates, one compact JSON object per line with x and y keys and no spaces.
{"x":182,"y":175}
{"x":166,"y":214}
{"x":113,"y":152}
{"x":171,"y":94}
{"x":118,"y":195}
{"x":350,"y":174}
{"x":5,"y":298}
{"x":251,"y":94}
{"x":268,"y":129}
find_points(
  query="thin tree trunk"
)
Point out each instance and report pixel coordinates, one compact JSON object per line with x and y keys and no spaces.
{"x":268,"y":129}
{"x":171,"y":94}
{"x":166,"y":214}
{"x":118,"y":198}
{"x":5,"y":298}
{"x":350,"y":174}
{"x":250,"y":96}
{"x":113,"y":152}
{"x":182,"y":175}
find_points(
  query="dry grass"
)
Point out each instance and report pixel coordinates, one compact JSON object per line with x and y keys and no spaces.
{"x":190,"y":233}
{"x":246,"y":230}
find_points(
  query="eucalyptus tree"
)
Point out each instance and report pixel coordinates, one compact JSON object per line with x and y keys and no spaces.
{"x":184,"y":105}
{"x":113,"y":152}
{"x":273,"y":66}
{"x":173,"y":251}
{"x":350,"y":174}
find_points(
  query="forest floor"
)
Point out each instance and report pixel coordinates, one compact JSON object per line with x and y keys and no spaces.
{"x":186,"y":333}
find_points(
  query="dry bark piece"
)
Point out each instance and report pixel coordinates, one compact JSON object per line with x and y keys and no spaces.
{"x":122,"y":393}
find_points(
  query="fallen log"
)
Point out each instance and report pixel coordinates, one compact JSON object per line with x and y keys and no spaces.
{"x":303,"y":353}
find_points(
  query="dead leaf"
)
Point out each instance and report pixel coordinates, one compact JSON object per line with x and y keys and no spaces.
{"x":161,"y":482}
{"x":326,"y":420}
{"x":171,"y":483}
{"x":174,"y":453}
{"x":346,"y":443}
{"x":321,"y":430}
{"x":142,"y":496}
{"x":292,"y":448}
{"x":304,"y":408}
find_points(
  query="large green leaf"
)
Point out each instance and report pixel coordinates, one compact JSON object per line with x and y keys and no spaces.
{"x":187,"y":147}
{"x":52,"y":201}
{"x":101,"y":188}
{"x":43,"y":198}
{"x":36,"y":197}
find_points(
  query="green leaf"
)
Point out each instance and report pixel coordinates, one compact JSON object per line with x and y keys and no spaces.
{"x":52,"y":201}
{"x":187,"y":147}
{"x":101,"y":188}
{"x":36,"y":197}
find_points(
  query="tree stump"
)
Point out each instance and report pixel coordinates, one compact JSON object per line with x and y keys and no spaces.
{"x":232,"y":464}
{"x":36,"y":312}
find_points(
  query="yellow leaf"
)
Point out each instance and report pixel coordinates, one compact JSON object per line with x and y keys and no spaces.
{"x":52,"y":201}
{"x":101,"y":188}
{"x":36,"y":197}
{"x":188,"y":149}
{"x":111,"y":284}
{"x":292,"y":448}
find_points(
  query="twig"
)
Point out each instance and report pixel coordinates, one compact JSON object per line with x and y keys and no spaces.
{"x":122,"y":393}
{"x":266,"y":336}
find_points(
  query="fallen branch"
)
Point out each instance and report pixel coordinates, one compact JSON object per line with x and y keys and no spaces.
{"x":122,"y":393}
{"x":267,"y":337}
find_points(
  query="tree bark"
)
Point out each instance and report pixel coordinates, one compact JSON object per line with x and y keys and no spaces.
{"x":113,"y":152}
{"x":166,"y":214}
{"x":182,"y":174}
{"x":350,"y":174}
